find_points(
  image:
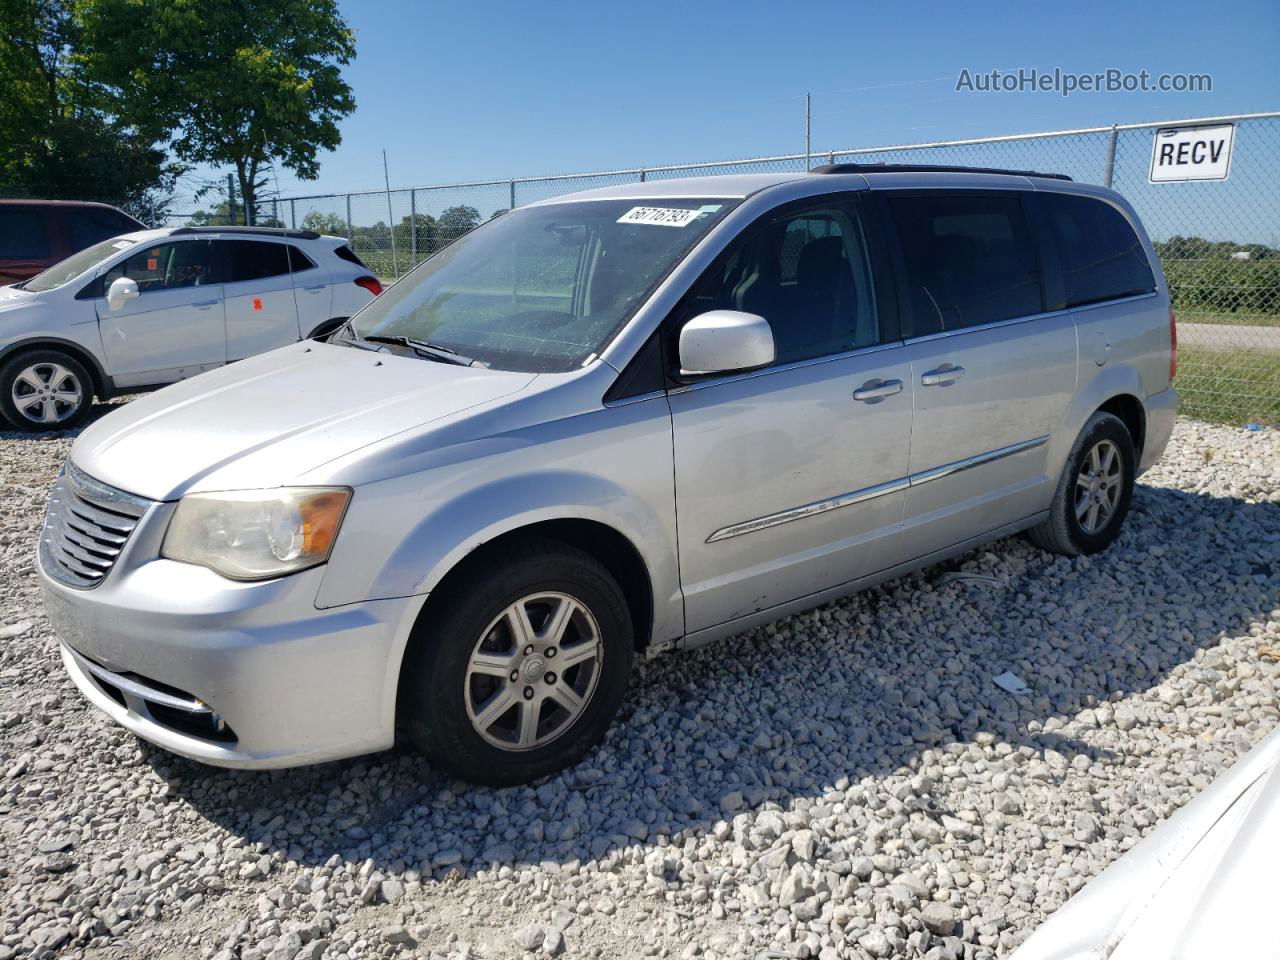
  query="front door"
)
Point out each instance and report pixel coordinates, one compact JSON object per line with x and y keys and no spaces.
{"x":174,"y":327}
{"x":261,"y":311}
{"x":993,"y":372}
{"x":791,"y":479}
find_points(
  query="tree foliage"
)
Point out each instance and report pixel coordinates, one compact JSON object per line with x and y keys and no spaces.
{"x":239,"y":83}
{"x":59,"y":137}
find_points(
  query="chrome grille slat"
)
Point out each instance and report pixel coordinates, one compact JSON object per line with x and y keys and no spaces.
{"x":86,"y":528}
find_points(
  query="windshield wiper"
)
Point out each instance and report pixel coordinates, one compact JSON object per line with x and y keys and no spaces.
{"x":424,"y":348}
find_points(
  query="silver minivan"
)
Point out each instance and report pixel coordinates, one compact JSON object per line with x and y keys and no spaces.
{"x":611,"y":424}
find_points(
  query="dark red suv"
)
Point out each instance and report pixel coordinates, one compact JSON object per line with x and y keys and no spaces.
{"x":36,"y":234}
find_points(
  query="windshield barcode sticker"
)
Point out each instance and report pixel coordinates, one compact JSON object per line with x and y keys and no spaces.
{"x":660,"y":216}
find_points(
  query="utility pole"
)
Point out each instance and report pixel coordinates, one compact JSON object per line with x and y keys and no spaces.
{"x":386,"y":179}
{"x":808,"y":132}
{"x":231,"y":198}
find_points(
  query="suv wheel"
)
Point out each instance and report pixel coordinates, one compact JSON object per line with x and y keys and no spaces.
{"x":1093,"y":494}
{"x":520,"y":674}
{"x":45,"y":390}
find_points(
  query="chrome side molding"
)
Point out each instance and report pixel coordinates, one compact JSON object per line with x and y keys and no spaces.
{"x":870,"y":493}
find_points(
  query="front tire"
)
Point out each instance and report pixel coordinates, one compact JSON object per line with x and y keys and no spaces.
{"x":45,"y":390}
{"x":1093,"y":493}
{"x":519,"y":674}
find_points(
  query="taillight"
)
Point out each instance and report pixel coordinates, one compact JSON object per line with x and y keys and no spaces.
{"x":1173,"y":346}
{"x":369,"y":283}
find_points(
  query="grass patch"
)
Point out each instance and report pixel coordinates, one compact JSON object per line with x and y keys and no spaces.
{"x":1226,"y":318}
{"x":1229,"y":386}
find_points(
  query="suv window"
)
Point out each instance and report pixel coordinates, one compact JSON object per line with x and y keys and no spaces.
{"x":164,"y":266}
{"x":807,"y":273}
{"x":344,"y":252}
{"x":299,"y":261}
{"x":1101,"y":256}
{"x":969,"y":260}
{"x":252,"y":259}
{"x":85,"y":227}
{"x":22,"y":233}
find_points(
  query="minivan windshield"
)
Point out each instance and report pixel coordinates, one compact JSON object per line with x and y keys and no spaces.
{"x":540,"y":289}
{"x":67,"y":270}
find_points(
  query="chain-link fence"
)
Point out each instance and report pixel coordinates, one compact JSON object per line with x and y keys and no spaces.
{"x":1218,"y":241}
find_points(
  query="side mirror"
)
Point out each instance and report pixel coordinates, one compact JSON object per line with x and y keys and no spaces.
{"x":724,"y":341}
{"x":121,"y":291}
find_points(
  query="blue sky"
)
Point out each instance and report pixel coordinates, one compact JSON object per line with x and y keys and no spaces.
{"x":478,"y":90}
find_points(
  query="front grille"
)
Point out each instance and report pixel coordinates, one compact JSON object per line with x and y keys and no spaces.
{"x":86,"y":527}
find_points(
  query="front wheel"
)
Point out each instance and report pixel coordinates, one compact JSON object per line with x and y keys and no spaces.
{"x":45,"y":390}
{"x":520,"y":673}
{"x":1094,"y":491}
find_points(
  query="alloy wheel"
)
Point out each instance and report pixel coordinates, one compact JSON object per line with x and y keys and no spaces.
{"x":46,"y":393}
{"x":533,"y":671}
{"x":1098,"y":486}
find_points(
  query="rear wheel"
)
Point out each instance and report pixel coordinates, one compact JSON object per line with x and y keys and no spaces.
{"x":519,"y":674}
{"x":1093,"y":494}
{"x":45,"y":390}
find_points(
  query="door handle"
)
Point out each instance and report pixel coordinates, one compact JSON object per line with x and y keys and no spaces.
{"x":877,"y":391}
{"x":205,"y":303}
{"x":941,"y":376}
{"x":318,"y":286}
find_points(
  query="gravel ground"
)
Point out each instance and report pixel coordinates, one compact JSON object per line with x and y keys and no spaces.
{"x":845,"y":783}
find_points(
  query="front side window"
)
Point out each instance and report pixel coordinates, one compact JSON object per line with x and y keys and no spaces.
{"x":807,"y":273}
{"x":969,"y":260}
{"x":1101,"y":256}
{"x":541,"y":289}
{"x":252,"y":259}
{"x":165,"y":266}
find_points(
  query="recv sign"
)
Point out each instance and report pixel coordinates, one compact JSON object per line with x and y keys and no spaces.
{"x":1192,"y":153}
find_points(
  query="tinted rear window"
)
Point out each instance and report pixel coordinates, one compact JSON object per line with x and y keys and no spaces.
{"x":346,"y":253}
{"x":969,"y":259}
{"x":253,"y":259}
{"x":86,"y":227}
{"x":1101,"y":256}
{"x":22,"y":233}
{"x":299,"y":261}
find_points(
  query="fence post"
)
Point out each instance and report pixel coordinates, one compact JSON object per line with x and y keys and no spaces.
{"x":643,"y":174}
{"x":350,"y":234}
{"x":1109,"y":172}
{"x":413,"y":228}
{"x":293,"y":215}
{"x":511,"y":199}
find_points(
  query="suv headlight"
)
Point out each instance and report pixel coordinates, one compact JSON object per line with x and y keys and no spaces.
{"x":256,"y":534}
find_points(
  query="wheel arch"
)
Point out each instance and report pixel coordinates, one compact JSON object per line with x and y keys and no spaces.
{"x":327,"y":327}
{"x":101,"y":382}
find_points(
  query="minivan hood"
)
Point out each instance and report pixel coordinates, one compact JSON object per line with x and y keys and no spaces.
{"x":268,"y":420}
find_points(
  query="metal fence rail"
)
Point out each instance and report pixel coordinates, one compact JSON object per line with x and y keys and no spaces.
{"x":1219,"y":241}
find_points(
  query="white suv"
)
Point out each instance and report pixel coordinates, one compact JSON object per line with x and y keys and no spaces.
{"x":156,"y":306}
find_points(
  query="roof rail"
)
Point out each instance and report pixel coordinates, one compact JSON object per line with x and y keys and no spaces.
{"x":260,"y":231}
{"x":927,"y":168}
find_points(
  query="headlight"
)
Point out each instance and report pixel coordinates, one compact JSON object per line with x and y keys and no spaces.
{"x":256,"y":534}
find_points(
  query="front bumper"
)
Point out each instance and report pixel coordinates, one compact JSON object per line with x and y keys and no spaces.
{"x":288,"y":684}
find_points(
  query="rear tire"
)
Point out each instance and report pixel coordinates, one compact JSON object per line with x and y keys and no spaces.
{"x":43,"y":390}
{"x":520,"y":672}
{"x":1094,"y":492}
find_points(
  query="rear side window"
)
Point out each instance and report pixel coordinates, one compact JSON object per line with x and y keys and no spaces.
{"x":299,"y":261}
{"x":23,"y":235}
{"x":1101,"y":256}
{"x":346,"y":253}
{"x":253,"y":260}
{"x":86,"y":227}
{"x":969,"y":260}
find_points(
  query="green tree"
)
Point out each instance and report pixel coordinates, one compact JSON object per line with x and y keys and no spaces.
{"x":59,"y":138}
{"x":238,"y":83}
{"x":329,"y":223}
{"x":455,"y":221}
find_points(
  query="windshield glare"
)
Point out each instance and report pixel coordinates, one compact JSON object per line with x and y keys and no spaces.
{"x":67,"y":270}
{"x":540,"y":289}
